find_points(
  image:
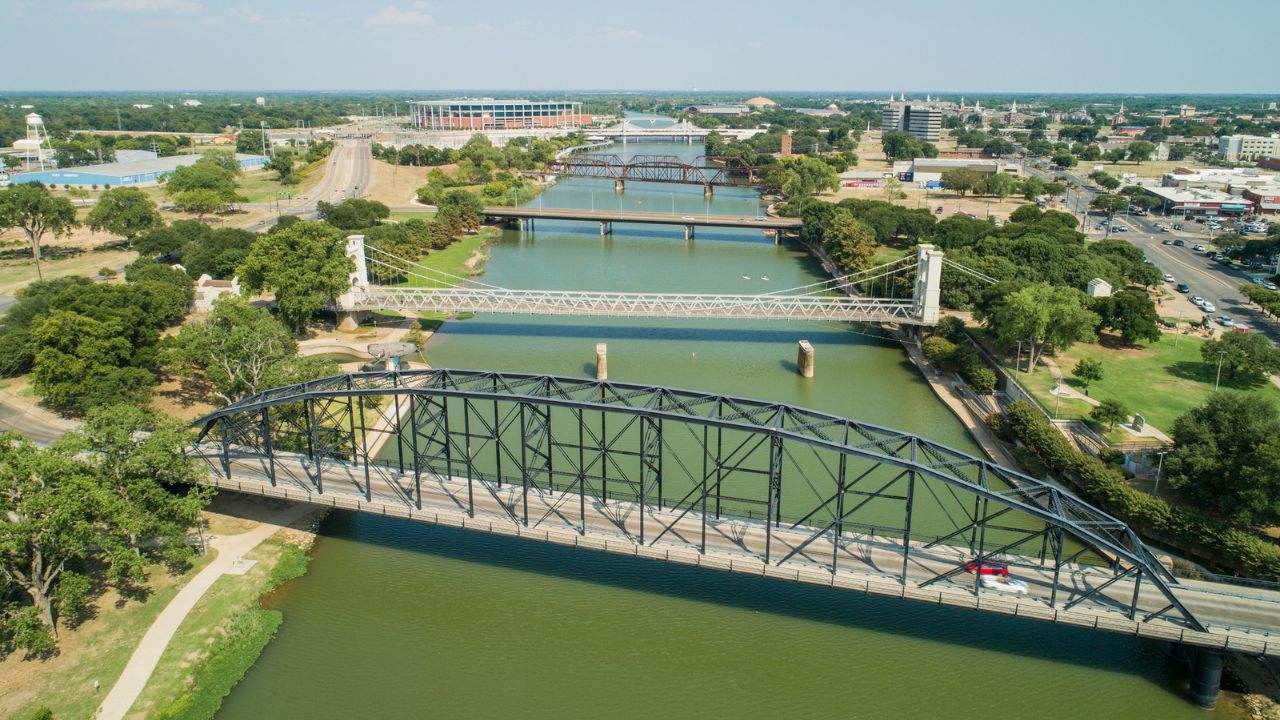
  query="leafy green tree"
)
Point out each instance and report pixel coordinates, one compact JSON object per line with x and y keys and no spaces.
{"x":1248,"y":354}
{"x":1141,"y":150}
{"x":1064,"y":159}
{"x":148,"y":273}
{"x":31,"y":207}
{"x":962,"y":180}
{"x":1000,"y":185}
{"x":1039,"y":315}
{"x":1087,"y":371}
{"x":249,"y":142}
{"x":1114,"y":155}
{"x":1110,"y":204}
{"x":1110,"y":412}
{"x":283,"y":162}
{"x":850,"y":243}
{"x":353,"y":214}
{"x":241,"y":350}
{"x":805,"y":175}
{"x":124,"y":211}
{"x":1227,"y":457}
{"x":304,"y":265}
{"x":170,"y":239}
{"x":1131,"y":313}
{"x":996,"y":147}
{"x":938,"y":349}
{"x":1031,"y":187}
{"x":218,"y":253}
{"x":84,"y":362}
{"x":1055,"y":189}
{"x":202,"y":202}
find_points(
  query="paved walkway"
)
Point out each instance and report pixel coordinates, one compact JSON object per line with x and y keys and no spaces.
{"x":142,"y":663}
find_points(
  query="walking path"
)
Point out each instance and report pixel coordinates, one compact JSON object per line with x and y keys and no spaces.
{"x":231,"y":551}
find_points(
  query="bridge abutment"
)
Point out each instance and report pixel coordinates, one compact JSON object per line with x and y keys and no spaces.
{"x":804,"y":359}
{"x":602,"y":361}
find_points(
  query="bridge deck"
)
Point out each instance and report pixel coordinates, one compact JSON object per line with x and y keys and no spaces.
{"x":867,"y":563}
{"x":651,"y":218}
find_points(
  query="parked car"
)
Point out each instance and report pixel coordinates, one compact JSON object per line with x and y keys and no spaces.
{"x":938,"y":211}
{"x":1226,"y":321}
{"x":1197,"y":300}
{"x":1208,"y":306}
{"x":1184,"y":288}
{"x":1198,"y":247}
{"x":1168,"y":277}
{"x":1119,"y":228}
{"x":1268,"y":284}
{"x":1240,"y":327}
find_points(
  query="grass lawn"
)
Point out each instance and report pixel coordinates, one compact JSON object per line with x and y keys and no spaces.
{"x":405,"y":215}
{"x":202,"y":626}
{"x":1161,"y":381}
{"x":96,"y":650}
{"x":457,"y":258}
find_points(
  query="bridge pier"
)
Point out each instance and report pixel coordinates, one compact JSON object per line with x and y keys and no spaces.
{"x":350,"y":321}
{"x":602,"y":361}
{"x":1206,"y":671}
{"x":618,"y":185}
{"x":804,"y":359}
{"x":688,"y":233}
{"x":707,"y":191}
{"x":606,"y":228}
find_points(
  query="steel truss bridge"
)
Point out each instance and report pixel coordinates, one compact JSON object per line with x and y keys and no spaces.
{"x":660,"y":169}
{"x":724,"y":482}
{"x":905,"y":291}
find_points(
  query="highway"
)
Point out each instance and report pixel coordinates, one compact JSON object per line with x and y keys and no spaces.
{"x":347,"y":174}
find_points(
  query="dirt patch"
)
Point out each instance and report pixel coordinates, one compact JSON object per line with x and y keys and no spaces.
{"x":396,"y":186}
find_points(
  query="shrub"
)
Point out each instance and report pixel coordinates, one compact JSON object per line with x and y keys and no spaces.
{"x":107,"y":272}
{"x":228,"y":660}
{"x":1187,"y":529}
{"x":981,"y":379}
{"x":42,"y":713}
{"x":939,"y":350}
{"x":951,"y":328}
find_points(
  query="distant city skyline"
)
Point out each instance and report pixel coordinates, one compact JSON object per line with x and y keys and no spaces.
{"x":992,"y":46}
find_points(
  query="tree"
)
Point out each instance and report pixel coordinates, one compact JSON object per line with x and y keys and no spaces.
{"x":218,"y":253}
{"x":1055,"y":189}
{"x":1064,"y":159}
{"x":353,"y":214}
{"x":1141,"y":150}
{"x":1108,"y":182}
{"x":33,"y":208}
{"x":84,"y":362}
{"x":1114,"y":155}
{"x":249,"y":142}
{"x":282,"y":163}
{"x":124,"y":211}
{"x":997,"y":147}
{"x":962,"y":180}
{"x":202,"y":202}
{"x":1110,"y":413}
{"x":1000,"y":185}
{"x":938,"y":349}
{"x":1110,"y":204}
{"x":1031,"y":187}
{"x":1131,"y":313}
{"x":304,"y":265}
{"x":241,"y":350}
{"x":1227,"y":457}
{"x":1248,"y":353}
{"x":1039,"y":315}
{"x":850,"y":243}
{"x":1087,"y":371}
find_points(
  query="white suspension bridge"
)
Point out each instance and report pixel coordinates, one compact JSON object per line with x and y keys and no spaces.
{"x":904,"y":291}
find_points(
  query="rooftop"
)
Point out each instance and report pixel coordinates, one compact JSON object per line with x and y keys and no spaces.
{"x":142,"y":167}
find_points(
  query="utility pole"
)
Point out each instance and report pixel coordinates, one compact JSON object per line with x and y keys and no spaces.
{"x":1159,"y":467}
{"x":1216,"y":380}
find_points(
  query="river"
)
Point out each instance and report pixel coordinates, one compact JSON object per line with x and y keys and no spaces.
{"x":400,"y":619}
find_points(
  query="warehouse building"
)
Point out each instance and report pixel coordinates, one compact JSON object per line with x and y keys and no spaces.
{"x":138,"y":172}
{"x":491,"y":114}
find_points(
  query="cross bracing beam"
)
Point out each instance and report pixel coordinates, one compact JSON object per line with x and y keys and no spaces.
{"x":633,"y":452}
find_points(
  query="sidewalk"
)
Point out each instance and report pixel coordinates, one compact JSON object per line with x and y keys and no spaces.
{"x":231,"y":551}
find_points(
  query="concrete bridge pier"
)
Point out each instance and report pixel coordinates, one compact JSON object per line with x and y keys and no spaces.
{"x":804,"y":359}
{"x":688,"y":233}
{"x":707,"y":191}
{"x":602,"y":361}
{"x":1206,"y":671}
{"x":606,"y":228}
{"x":351,"y":320}
{"x":618,"y":185}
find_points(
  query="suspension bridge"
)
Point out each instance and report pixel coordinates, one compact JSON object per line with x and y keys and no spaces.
{"x":720,"y":482}
{"x":904,"y":291}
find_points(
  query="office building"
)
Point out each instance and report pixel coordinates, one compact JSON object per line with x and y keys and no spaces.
{"x":1235,"y":148}
{"x":924,"y":123}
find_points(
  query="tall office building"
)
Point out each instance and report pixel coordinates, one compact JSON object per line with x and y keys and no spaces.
{"x":922,"y":122}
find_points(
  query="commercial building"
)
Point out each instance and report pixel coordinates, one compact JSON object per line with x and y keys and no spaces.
{"x":140,"y":172}
{"x":925,"y":170}
{"x":921,"y":122}
{"x":1199,"y":201}
{"x":491,"y":114}
{"x":1265,"y":199}
{"x":720,"y":110}
{"x":1248,"y":147}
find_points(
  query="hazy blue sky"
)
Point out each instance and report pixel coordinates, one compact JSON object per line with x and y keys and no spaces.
{"x":910,"y":45}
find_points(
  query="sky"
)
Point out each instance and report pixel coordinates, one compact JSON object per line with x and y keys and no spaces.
{"x":1116,"y":46}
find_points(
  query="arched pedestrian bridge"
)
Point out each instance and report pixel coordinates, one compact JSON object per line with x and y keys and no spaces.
{"x":723,"y":482}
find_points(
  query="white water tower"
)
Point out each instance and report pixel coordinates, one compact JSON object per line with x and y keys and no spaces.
{"x":37,"y":141}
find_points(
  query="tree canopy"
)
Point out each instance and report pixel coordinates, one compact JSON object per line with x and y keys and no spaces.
{"x":31,"y":207}
{"x":304,"y":265}
{"x":124,"y":211}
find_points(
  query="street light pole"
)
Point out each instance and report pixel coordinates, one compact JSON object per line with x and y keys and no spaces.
{"x":1216,"y":380}
{"x":1159,"y":467}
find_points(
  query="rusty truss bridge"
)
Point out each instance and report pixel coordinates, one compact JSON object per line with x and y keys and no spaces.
{"x":905,"y":291}
{"x":711,"y":172}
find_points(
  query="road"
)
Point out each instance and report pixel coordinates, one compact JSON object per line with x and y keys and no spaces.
{"x":348,"y":173}
{"x":1206,"y":278}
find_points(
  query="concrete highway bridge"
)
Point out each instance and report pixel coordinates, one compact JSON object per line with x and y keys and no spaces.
{"x":726,"y":483}
{"x":659,"y":169}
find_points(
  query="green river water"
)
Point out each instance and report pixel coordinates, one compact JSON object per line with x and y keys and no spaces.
{"x":404,"y":620}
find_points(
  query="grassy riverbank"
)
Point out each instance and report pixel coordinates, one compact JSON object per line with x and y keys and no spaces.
{"x":223,"y":635}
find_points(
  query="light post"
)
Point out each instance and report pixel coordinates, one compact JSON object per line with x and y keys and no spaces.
{"x":1017,"y":363}
{"x":1159,"y":467}
{"x":1057,"y":398}
{"x":1216,"y":380}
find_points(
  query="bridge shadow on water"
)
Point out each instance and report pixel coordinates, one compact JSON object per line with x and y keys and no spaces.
{"x":983,"y":632}
{"x":649,"y":231}
{"x":854,"y":335}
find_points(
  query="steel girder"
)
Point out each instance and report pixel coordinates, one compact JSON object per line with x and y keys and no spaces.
{"x":241,"y":428}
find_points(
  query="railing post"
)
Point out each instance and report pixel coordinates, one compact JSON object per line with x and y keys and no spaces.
{"x":312,"y":449}
{"x":582,"y":475}
{"x":364,"y":450}
{"x":417,"y":463}
{"x":466,"y":430}
{"x":524,"y":463}
{"x":395,"y":382}
{"x":775,"y":493}
{"x":226,"y":451}
{"x":906,"y":532}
